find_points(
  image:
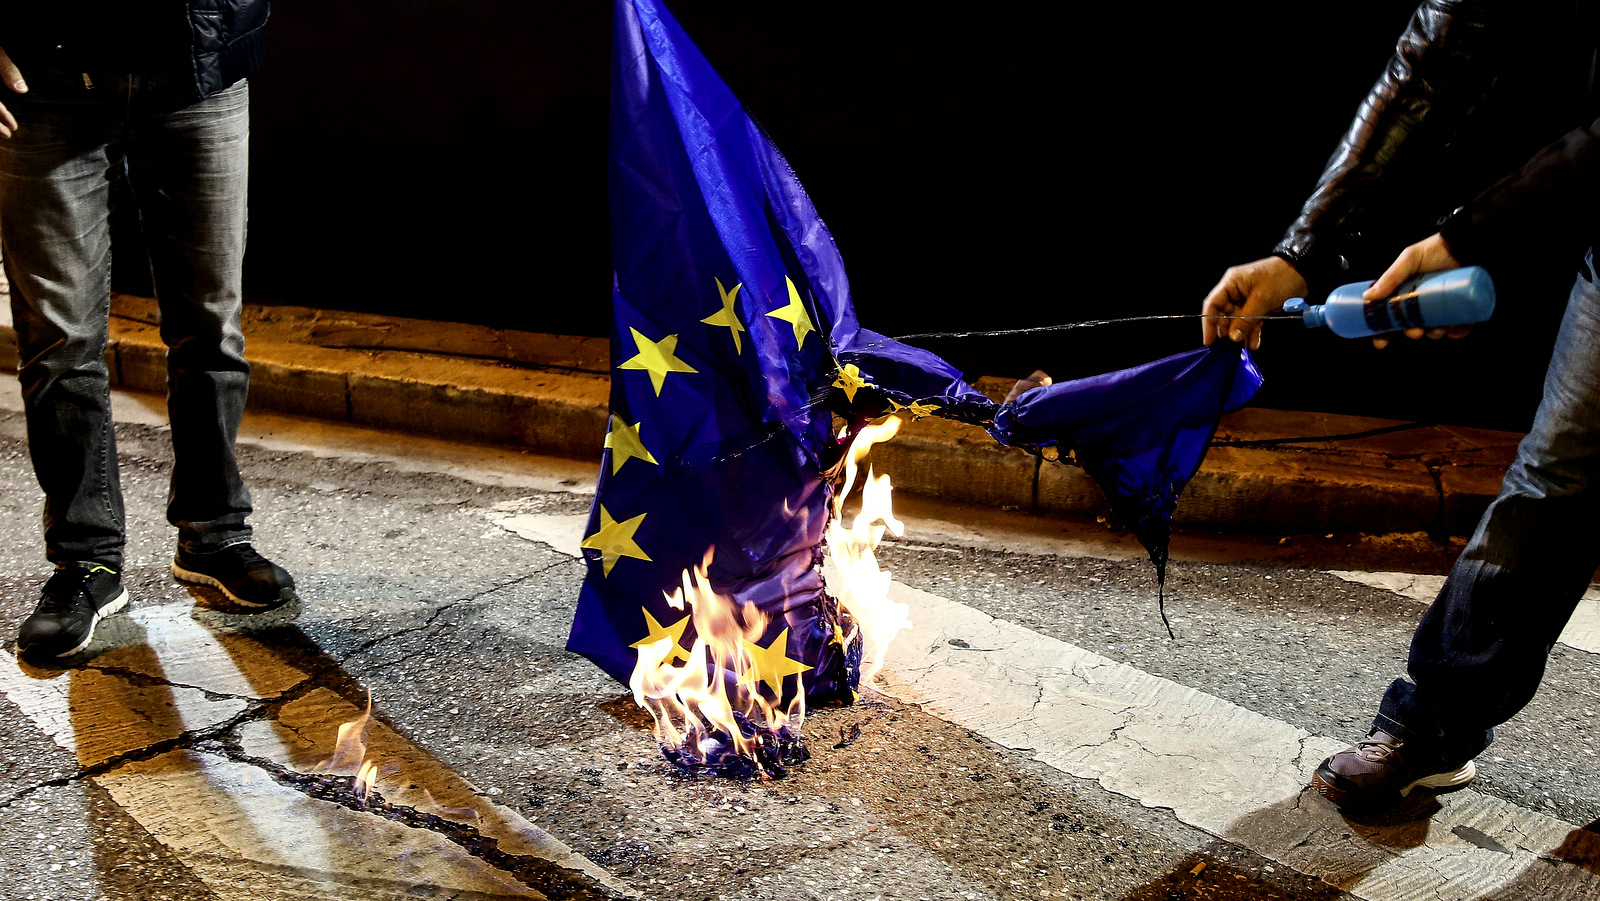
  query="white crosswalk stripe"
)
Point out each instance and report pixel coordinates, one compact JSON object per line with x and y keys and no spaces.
{"x":1229,"y":771}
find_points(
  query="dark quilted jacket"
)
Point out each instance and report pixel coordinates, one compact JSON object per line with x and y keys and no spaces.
{"x":191,"y":48}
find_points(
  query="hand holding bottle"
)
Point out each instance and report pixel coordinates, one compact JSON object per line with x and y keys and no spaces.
{"x":1431,"y":254}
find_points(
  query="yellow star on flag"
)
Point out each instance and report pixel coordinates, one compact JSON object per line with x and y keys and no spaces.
{"x":916,"y":409}
{"x":625,"y":444}
{"x":656,"y":358}
{"x":771,"y":664}
{"x":794,"y":314}
{"x":614,"y":540}
{"x":850,"y":381}
{"x":658,"y":632}
{"x":728,"y":316}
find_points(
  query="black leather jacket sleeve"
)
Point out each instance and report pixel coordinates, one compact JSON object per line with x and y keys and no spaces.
{"x":1444,"y":62}
{"x":1550,"y":202}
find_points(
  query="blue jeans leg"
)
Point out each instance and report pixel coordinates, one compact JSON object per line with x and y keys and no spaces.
{"x":1480,"y":651}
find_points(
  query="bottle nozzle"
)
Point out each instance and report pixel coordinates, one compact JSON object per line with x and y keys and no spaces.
{"x":1313,"y":316}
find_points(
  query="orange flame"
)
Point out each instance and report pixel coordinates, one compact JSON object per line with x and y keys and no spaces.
{"x":350,"y":756}
{"x":698,"y":706}
{"x":714,"y":704}
{"x":861,"y":587}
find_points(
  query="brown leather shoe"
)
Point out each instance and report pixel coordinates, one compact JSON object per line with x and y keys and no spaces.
{"x":1376,"y":774}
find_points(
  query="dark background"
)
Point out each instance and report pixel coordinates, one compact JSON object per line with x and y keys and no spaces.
{"x":981,"y":166}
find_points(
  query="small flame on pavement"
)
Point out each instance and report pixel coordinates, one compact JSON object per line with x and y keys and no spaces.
{"x":350,"y":757}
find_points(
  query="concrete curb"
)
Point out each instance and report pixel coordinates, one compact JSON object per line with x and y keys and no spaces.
{"x":1271,"y":472}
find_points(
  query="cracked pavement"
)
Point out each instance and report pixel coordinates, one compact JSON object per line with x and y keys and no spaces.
{"x":1088,"y":756}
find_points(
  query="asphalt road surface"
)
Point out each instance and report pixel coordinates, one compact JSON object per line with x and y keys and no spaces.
{"x":1035,"y":735}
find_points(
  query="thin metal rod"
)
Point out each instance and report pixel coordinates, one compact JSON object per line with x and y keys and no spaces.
{"x":1088,"y":323}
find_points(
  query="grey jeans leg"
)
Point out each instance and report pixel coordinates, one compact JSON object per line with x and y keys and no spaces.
{"x":54,"y":195}
{"x":1479,"y":654}
{"x":189,"y":173}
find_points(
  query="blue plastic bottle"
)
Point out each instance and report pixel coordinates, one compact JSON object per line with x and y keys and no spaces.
{"x":1435,"y":300}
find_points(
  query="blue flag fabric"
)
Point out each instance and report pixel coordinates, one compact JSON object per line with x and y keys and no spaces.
{"x":735,"y":345}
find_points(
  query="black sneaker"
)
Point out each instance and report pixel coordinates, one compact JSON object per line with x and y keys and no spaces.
{"x":246,"y":577}
{"x":1377,"y":774}
{"x":77,"y":597}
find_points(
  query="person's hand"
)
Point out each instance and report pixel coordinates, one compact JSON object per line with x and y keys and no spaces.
{"x":1430,"y":254}
{"x":1254,"y":289}
{"x":12,"y":76}
{"x":1039,"y":379}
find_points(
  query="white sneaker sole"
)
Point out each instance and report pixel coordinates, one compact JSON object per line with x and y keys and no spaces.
{"x":107,"y":609}
{"x":185,"y":575}
{"x":1452,"y":779}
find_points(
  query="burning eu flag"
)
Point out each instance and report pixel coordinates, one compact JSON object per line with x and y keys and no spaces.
{"x":735,"y":347}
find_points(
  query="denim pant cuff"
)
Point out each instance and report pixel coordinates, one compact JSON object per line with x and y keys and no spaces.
{"x":1428,"y":744}
{"x":1398,"y":730}
{"x":113,"y":559}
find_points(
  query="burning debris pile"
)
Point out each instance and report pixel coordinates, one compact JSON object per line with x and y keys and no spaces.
{"x":726,"y":706}
{"x":722,"y":710}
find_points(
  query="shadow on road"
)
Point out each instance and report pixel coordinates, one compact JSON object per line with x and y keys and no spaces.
{"x":211,"y":730}
{"x":1408,"y":852}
